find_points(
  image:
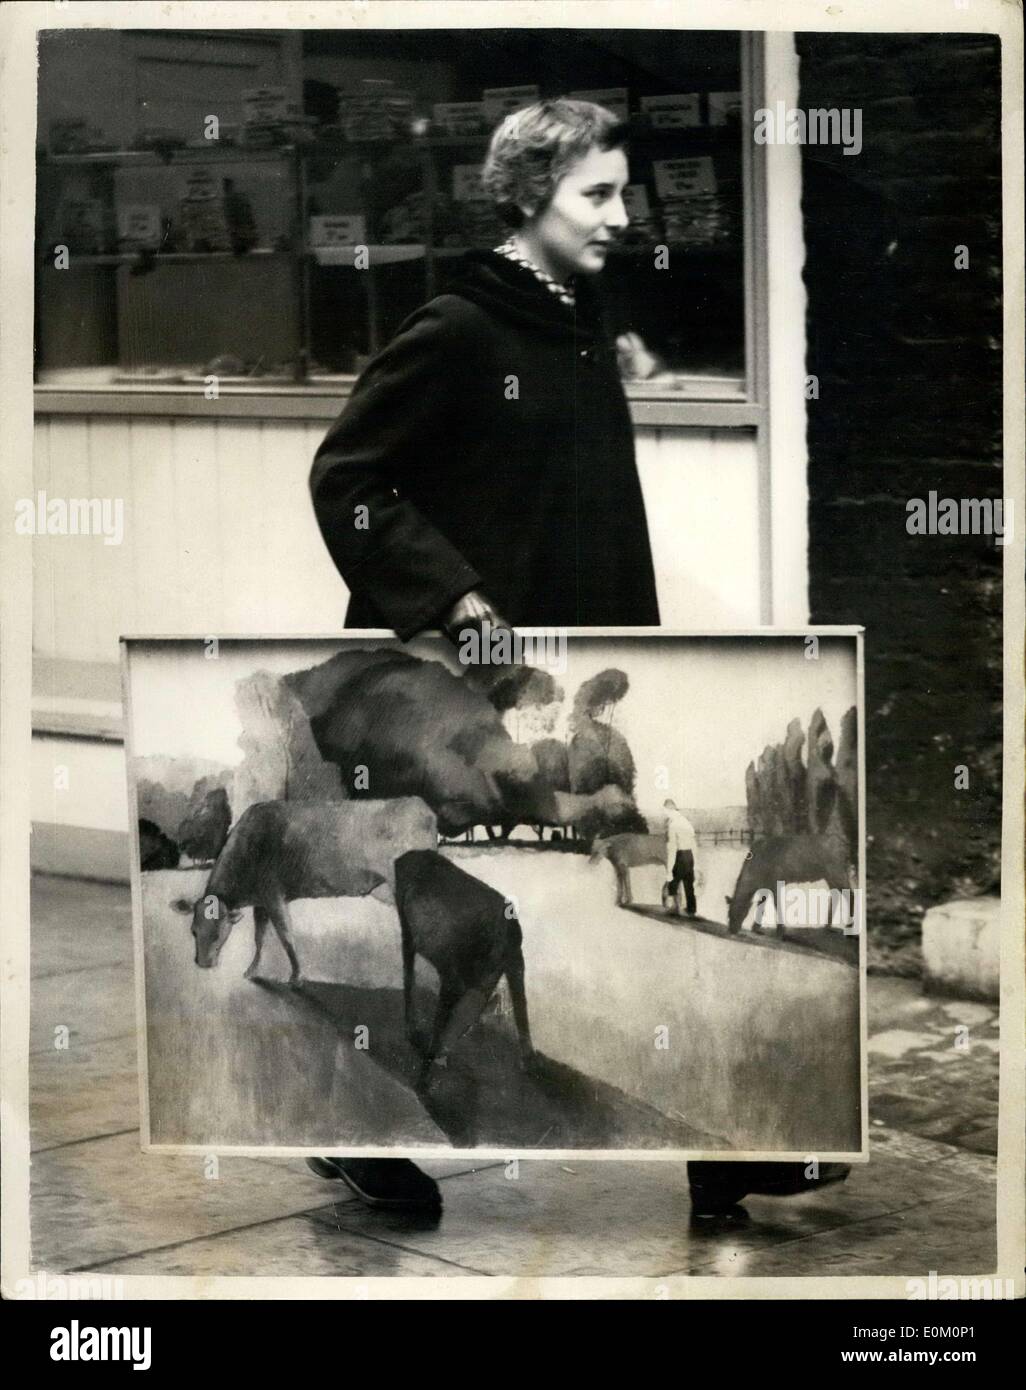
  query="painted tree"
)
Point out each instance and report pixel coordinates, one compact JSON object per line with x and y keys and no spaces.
{"x":204,"y":828}
{"x":599,"y":753}
{"x":789,"y":796}
{"x":281,"y":761}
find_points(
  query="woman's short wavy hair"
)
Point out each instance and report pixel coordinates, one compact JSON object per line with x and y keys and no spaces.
{"x":533,"y":148}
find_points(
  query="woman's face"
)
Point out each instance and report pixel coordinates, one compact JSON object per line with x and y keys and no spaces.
{"x":572,"y":235}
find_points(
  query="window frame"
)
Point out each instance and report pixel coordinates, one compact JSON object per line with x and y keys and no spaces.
{"x":657,"y":407}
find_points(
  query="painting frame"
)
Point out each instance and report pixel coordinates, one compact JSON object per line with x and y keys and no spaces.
{"x":856,"y":1153}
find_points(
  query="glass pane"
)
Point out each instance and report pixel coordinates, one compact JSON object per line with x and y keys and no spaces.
{"x":236,"y":255}
{"x":674,"y":288}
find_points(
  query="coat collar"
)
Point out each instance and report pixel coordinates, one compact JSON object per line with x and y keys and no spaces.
{"x":512,"y":293}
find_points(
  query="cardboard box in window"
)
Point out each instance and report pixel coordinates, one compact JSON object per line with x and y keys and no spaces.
{"x":202,"y":214}
{"x":270,"y":119}
{"x":500,"y":101}
{"x":140,"y":227}
{"x":460,"y":117}
{"x":338,"y":229}
{"x":674,"y":111}
{"x":680,"y":178}
{"x":378,"y":110}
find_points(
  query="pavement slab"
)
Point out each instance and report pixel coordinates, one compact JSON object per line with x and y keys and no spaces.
{"x":293,"y":1247}
{"x":91,"y":1089}
{"x":92,"y":1004}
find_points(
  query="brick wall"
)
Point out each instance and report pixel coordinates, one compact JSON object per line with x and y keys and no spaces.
{"x":907,"y":350}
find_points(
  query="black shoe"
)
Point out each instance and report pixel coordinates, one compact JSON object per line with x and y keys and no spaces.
{"x":394,"y":1184}
{"x":716,"y":1187}
{"x":789,"y":1180}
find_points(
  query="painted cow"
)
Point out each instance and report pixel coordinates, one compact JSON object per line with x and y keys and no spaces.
{"x":469,"y":933}
{"x":626,"y":852}
{"x":787,"y":859}
{"x":279,"y":851}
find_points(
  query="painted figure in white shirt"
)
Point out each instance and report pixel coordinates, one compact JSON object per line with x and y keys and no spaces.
{"x":680,"y":858}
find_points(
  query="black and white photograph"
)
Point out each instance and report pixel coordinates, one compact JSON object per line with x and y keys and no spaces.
{"x":512,"y":637}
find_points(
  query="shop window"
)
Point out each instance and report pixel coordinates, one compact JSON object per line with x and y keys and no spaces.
{"x":186,"y":255}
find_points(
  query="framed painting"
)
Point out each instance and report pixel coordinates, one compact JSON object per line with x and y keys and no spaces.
{"x":586,"y":893}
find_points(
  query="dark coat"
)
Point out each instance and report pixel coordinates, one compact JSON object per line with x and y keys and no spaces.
{"x":489,"y":446}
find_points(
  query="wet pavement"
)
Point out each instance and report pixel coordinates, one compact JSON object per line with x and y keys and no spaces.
{"x":926,"y":1199}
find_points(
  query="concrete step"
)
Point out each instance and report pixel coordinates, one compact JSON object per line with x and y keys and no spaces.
{"x":962,"y":949}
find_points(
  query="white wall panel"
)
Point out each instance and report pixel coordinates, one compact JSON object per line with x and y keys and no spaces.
{"x":220,"y":536}
{"x":701,"y":499}
{"x":77,"y":782}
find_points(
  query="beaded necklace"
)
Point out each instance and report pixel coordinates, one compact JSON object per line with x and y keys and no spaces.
{"x":564,"y":294}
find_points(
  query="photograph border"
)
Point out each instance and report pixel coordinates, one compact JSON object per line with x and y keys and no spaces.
{"x":18,"y":27}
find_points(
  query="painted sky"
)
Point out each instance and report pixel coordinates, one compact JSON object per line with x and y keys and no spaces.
{"x":697,"y":712}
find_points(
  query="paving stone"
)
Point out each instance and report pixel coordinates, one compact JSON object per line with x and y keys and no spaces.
{"x":91,"y":1004}
{"x":86,"y":925}
{"x":91,"y":1089}
{"x":294,"y":1247}
{"x":104,"y":1199}
{"x":951,"y":1237}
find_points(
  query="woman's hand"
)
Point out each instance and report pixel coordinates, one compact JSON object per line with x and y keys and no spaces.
{"x":638,"y":362}
{"x":472,"y":610}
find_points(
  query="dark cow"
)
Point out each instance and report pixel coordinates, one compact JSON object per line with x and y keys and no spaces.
{"x":787,"y":859}
{"x":283,"y":850}
{"x":156,"y":850}
{"x":470,"y":935}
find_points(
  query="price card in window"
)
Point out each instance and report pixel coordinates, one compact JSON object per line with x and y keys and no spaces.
{"x":673,"y":112}
{"x":263,"y":105}
{"x":338,"y":229}
{"x":635,"y":200}
{"x":201,"y":186}
{"x":612,"y":98}
{"x":466,"y":184}
{"x":500,"y":101}
{"x":681,"y":178}
{"x":724,"y":107}
{"x":139,"y":226}
{"x":461,"y":117}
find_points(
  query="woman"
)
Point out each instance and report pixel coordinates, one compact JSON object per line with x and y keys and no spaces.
{"x":484,"y":466}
